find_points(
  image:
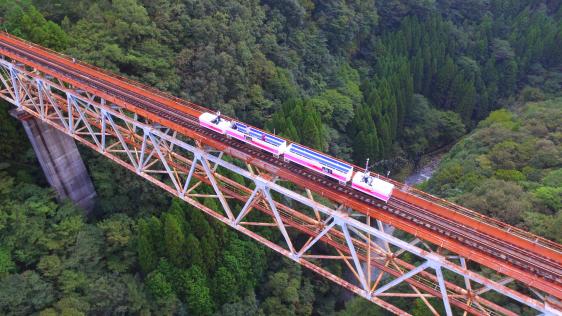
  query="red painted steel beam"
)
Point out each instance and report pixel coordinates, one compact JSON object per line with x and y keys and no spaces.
{"x":480,"y":226}
{"x":184,"y":106}
{"x":398,"y":222}
{"x":98,"y":126}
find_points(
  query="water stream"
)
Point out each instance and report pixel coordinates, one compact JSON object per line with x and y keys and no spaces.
{"x":425,"y":171}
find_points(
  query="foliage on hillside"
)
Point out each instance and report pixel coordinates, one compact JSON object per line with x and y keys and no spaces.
{"x":52,"y":261}
{"x":380,"y":79}
{"x":510,"y":168}
{"x":353,"y":65}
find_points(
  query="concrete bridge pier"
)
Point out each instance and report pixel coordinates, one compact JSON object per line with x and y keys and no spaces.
{"x":60,"y":160}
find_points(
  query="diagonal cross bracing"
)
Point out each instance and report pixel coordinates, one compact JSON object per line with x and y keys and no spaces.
{"x":126,"y":142}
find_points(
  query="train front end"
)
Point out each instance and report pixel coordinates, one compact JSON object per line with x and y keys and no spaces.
{"x":214,"y":122}
{"x":373,"y":186}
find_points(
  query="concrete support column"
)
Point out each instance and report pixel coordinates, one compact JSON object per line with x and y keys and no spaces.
{"x":60,"y":160}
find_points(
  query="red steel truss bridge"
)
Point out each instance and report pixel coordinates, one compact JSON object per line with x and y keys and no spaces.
{"x":416,"y":246}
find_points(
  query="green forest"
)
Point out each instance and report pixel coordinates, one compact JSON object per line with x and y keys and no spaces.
{"x":510,"y":168}
{"x":390,"y":80}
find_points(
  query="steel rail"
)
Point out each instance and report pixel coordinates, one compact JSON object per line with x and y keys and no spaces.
{"x":233,"y":188}
{"x":86,"y":99}
{"x":436,"y":204}
{"x":162,"y":111}
{"x":188,"y":106}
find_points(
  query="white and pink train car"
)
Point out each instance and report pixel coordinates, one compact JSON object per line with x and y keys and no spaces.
{"x":300,"y":155}
{"x":373,"y":186}
{"x":214,"y":122}
{"x":255,"y":137}
{"x":319,"y":162}
{"x":245,"y":133}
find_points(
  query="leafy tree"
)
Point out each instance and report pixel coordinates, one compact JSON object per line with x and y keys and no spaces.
{"x":120,"y":191}
{"x":146,"y":247}
{"x":305,"y":115}
{"x":428,"y":129}
{"x":6,"y":263}
{"x":119,"y":36}
{"x":550,"y":197}
{"x":226,"y":288}
{"x":248,"y":306}
{"x":505,"y":168}
{"x":174,"y":239}
{"x":311,"y":130}
{"x":159,"y":285}
{"x":24,"y":293}
{"x":118,"y":231}
{"x":545,"y":225}
{"x":50,"y":266}
{"x":288,"y":291}
{"x":553,"y":178}
{"x":22,"y":19}
{"x":360,"y":306}
{"x":72,"y":281}
{"x":198,"y":295}
{"x":193,"y":251}
{"x":209,"y":252}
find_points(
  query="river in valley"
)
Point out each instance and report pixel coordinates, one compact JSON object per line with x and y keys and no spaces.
{"x":425,"y":170}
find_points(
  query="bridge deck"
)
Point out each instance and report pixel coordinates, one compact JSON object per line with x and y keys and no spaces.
{"x":519,"y":254}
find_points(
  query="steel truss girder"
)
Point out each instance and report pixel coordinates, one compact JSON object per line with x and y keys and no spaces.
{"x":173,"y":163}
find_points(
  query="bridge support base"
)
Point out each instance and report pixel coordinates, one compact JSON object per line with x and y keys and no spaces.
{"x":60,"y":160}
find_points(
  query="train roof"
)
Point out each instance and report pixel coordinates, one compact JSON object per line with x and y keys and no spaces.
{"x":207,"y":116}
{"x":270,"y":138}
{"x":257,"y":133}
{"x":323,"y":159}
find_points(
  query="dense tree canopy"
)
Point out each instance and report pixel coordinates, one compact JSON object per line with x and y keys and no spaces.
{"x":346,"y":60}
{"x":387,"y":80}
{"x":510,"y":168}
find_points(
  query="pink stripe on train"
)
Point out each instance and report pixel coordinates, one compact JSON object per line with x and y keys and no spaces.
{"x":235,"y":135}
{"x":216,"y":129}
{"x":308,"y":164}
{"x":371,"y":192}
{"x":271,"y":150}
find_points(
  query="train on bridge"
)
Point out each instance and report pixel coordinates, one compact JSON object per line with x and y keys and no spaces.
{"x":295,"y":153}
{"x":98,"y":109}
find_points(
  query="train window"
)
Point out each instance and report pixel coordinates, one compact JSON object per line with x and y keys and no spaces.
{"x":327,"y":170}
{"x":248,"y":137}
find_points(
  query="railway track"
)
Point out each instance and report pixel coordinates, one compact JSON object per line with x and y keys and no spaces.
{"x":525,"y":260}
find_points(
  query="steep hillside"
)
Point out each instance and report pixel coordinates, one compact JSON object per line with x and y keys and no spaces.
{"x":510,"y":168}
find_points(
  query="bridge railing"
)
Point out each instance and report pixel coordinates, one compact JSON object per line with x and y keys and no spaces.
{"x":479,"y":217}
{"x":406,"y":189}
